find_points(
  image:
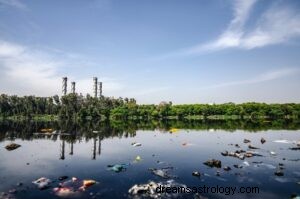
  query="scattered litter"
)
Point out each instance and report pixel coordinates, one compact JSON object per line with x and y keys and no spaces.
{"x":12,"y":146}
{"x":135,"y":144}
{"x":160,"y":172}
{"x":246,"y":141}
{"x":174,"y":130}
{"x":61,"y":178}
{"x":46,"y":130}
{"x":252,"y":147}
{"x":95,"y":131}
{"x":196,"y":173}
{"x":137,"y":158}
{"x":42,"y":183}
{"x":72,"y":188}
{"x":279,"y":173}
{"x":295,"y":148}
{"x":272,"y":153}
{"x":213,"y":163}
{"x":227,"y":168}
{"x":149,"y":190}
{"x":246,"y":163}
{"x":284,"y":141}
{"x":117,"y":167}
{"x":262,"y":140}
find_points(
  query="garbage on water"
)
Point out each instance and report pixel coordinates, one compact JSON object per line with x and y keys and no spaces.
{"x":117,"y":167}
{"x":95,"y":131}
{"x":12,"y":146}
{"x":137,"y":158}
{"x":135,"y":144}
{"x":213,"y":163}
{"x":61,"y":178}
{"x":284,"y":141}
{"x":196,"y":173}
{"x":272,"y":153}
{"x":46,"y":130}
{"x":73,"y":188}
{"x":173,"y":130}
{"x":246,"y":163}
{"x":152,"y":190}
{"x":42,"y":183}
{"x":252,"y":147}
{"x":262,"y":140}
{"x":246,"y":141}
{"x":162,"y":172}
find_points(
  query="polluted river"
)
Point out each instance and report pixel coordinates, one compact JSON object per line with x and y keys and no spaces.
{"x":139,"y":159}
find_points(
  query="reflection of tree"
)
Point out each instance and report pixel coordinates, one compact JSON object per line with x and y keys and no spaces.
{"x":70,"y":132}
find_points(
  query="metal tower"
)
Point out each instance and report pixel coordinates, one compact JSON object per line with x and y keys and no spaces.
{"x":73,"y":87}
{"x":64,"y":85}
{"x":100,"y":89}
{"x":95,"y":86}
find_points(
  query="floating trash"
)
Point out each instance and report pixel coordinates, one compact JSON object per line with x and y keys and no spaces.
{"x":135,"y":144}
{"x":196,"y":174}
{"x":173,"y":130}
{"x":73,"y":188}
{"x":262,"y":140}
{"x":12,"y":146}
{"x":213,"y":163}
{"x":42,"y":183}
{"x":284,"y":141}
{"x":117,"y":167}
{"x":137,"y":159}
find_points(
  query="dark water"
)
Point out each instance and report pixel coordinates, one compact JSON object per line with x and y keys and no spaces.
{"x":74,"y":150}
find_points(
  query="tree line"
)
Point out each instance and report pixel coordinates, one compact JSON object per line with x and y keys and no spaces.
{"x":78,"y":107}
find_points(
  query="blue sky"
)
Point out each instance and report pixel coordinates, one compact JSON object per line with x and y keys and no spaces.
{"x":192,"y":51}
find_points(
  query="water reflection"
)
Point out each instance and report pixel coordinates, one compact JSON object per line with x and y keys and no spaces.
{"x":85,"y":149}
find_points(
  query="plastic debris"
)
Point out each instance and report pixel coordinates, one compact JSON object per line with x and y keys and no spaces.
{"x":137,"y":158}
{"x":213,"y":163}
{"x":117,"y":167}
{"x":272,"y":153}
{"x":284,"y":141}
{"x":135,"y":144}
{"x":227,"y":168}
{"x":46,"y":130}
{"x":246,"y":141}
{"x":246,"y":163}
{"x":252,"y":147}
{"x":73,"y":188}
{"x":42,"y":183}
{"x":262,"y":140}
{"x":196,"y":173}
{"x":279,"y":173}
{"x":174,"y":130}
{"x":295,"y":148}
{"x":12,"y":146}
{"x":160,"y":173}
{"x":95,"y":131}
{"x":149,"y":190}
{"x":61,"y":178}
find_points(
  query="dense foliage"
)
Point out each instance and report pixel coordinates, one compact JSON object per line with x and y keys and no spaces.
{"x":75,"y":106}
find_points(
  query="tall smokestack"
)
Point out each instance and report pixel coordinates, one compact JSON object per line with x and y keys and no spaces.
{"x":100,"y":89}
{"x":73,"y":87}
{"x":64,"y":85}
{"x":95,"y":86}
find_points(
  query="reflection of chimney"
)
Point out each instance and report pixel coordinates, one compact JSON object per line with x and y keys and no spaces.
{"x":100,"y":89}
{"x":95,"y":86}
{"x":94,"y":150}
{"x":73,"y":87}
{"x":71,"y":152}
{"x":64,"y":85}
{"x":99,"y":147}
{"x":62,"y":155}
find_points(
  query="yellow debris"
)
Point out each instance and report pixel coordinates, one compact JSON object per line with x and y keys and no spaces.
{"x":173,"y":130}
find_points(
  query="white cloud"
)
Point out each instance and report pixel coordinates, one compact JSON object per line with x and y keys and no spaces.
{"x":28,"y":71}
{"x":14,"y":3}
{"x":278,"y":24}
{"x":269,"y":76}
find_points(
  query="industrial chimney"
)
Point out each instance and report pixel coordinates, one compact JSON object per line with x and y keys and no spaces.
{"x":100,"y":89}
{"x":95,"y":86}
{"x":64,"y":85}
{"x":73,"y":87}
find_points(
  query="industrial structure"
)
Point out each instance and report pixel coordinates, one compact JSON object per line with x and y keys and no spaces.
{"x":64,"y":85}
{"x":97,"y":87}
{"x":100,"y":89}
{"x":73,"y":87}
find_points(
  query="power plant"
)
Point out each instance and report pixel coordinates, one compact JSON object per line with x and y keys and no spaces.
{"x":97,"y":86}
